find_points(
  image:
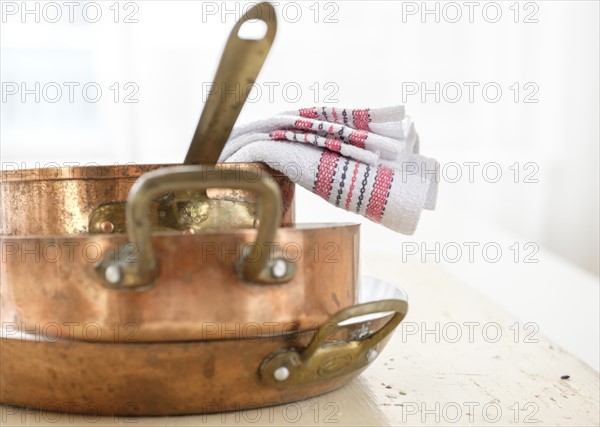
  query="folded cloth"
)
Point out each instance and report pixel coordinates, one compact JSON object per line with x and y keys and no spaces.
{"x":362,"y":160}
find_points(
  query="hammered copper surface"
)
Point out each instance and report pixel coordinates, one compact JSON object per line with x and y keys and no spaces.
{"x":50,"y":285}
{"x":59,"y":201}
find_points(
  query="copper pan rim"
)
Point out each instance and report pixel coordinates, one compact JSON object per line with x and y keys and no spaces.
{"x":95,"y":171}
{"x":239,"y":232}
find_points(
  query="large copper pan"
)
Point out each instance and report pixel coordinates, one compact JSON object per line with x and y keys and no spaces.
{"x":173,"y":285}
{"x":197,"y":376}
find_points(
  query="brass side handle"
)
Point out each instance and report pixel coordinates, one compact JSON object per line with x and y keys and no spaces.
{"x":120,"y":270}
{"x":322,"y":360}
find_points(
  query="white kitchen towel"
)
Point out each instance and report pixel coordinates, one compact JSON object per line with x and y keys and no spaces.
{"x":363,"y":160}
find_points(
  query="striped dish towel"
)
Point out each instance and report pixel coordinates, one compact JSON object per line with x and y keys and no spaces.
{"x":362,"y":160}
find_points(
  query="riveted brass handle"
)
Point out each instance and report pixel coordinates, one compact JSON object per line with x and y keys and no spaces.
{"x":323,"y":360}
{"x":135,"y":265}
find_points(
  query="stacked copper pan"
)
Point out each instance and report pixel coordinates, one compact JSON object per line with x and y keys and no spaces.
{"x":147,"y":290}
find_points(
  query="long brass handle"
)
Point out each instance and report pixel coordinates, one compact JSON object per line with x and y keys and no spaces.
{"x":122,"y":271}
{"x":323,"y":360}
{"x":240,"y":64}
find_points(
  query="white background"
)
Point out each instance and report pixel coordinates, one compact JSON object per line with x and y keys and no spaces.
{"x":358,"y":54}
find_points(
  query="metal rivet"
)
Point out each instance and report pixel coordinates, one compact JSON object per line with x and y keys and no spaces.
{"x":113,"y":274}
{"x":279,"y":268}
{"x":281,"y":374}
{"x":189,"y":230}
{"x":372,"y":355}
{"x":256,"y":223}
{"x":107,"y":227}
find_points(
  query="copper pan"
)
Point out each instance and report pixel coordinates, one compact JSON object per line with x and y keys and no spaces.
{"x":81,"y":200}
{"x":198,"y":376}
{"x":176,"y":286}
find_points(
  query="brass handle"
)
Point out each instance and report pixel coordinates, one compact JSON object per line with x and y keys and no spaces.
{"x":323,"y":360}
{"x":240,"y":64}
{"x":119,"y":271}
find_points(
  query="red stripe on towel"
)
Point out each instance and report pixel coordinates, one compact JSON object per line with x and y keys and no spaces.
{"x":379,"y":195}
{"x":357,"y":138}
{"x":303,"y":124}
{"x":278,"y":134}
{"x":309,"y":113}
{"x":325,"y":175}
{"x":354,"y":175}
{"x":361,"y":119}
{"x":333,"y":144}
